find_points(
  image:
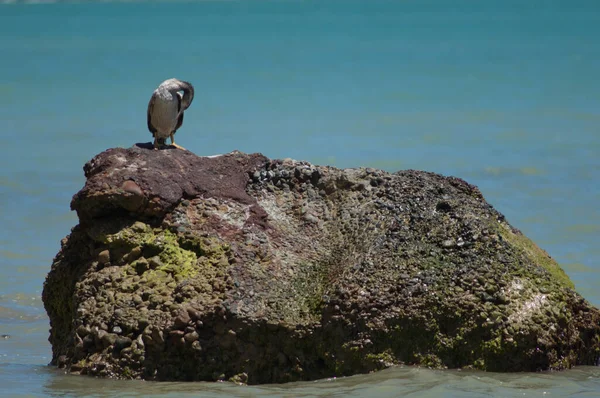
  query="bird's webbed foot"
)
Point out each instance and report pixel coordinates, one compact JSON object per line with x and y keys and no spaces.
{"x":178,"y":146}
{"x":174,"y":144}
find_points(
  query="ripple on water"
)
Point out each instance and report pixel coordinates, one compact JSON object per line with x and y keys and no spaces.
{"x":395,"y":382}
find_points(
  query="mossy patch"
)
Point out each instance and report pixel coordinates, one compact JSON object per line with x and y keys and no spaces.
{"x":162,"y":244}
{"x":537,"y":255}
{"x":309,"y":287}
{"x":133,"y":235}
{"x":382,"y":359}
{"x":176,"y":260}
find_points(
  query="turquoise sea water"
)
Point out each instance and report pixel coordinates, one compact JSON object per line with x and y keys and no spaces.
{"x":505,"y":94}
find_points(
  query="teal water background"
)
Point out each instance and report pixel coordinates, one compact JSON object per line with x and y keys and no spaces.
{"x":505,"y":94}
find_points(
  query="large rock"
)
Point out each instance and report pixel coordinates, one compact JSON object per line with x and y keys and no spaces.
{"x":255,"y":270}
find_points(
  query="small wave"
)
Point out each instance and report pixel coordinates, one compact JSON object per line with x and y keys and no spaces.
{"x":14,"y":255}
{"x":525,"y":171}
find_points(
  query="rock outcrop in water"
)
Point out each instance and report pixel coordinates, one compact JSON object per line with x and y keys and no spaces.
{"x":243,"y":268}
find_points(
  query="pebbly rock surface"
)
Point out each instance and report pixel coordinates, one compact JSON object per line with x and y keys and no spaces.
{"x":243,"y":268}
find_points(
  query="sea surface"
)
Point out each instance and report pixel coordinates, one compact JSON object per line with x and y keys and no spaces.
{"x":502,"y":93}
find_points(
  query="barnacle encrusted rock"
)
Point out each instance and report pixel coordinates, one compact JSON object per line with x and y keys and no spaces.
{"x":243,"y":268}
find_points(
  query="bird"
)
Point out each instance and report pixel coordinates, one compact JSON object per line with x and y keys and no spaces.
{"x":165,"y":110}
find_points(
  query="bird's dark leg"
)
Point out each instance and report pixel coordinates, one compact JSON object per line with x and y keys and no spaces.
{"x":174,"y":144}
{"x":156,"y":143}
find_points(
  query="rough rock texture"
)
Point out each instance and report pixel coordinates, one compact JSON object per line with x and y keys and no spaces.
{"x":254,"y":270}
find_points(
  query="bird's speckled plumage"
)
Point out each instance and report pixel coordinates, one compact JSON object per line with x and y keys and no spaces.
{"x":166,"y":107}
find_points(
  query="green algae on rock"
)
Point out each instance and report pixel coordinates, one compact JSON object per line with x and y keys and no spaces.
{"x":243,"y":268}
